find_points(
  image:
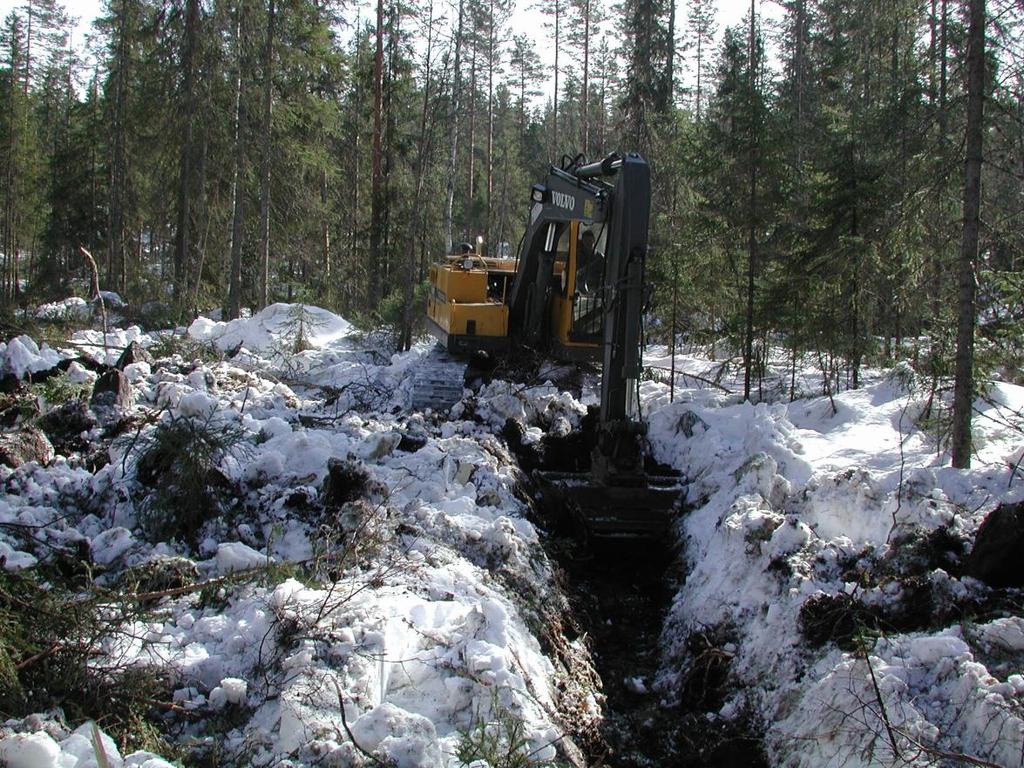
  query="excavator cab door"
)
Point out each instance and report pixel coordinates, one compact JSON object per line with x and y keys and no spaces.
{"x":589,"y":279}
{"x":577,"y":303}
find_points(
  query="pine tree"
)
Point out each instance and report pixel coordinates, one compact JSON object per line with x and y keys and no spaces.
{"x":646,"y":49}
{"x":700,"y":24}
{"x":20,"y":162}
{"x":524,"y":75}
{"x":963,"y":394}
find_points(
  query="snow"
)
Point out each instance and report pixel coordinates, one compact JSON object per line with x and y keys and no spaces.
{"x":236,"y":556}
{"x":107,"y":347}
{"x":783,"y":493}
{"x":21,"y":356}
{"x":34,"y":750}
{"x":13,"y":560}
{"x":72,"y":308}
{"x":273,"y":327}
{"x":417,"y":647}
{"x":410,"y":616}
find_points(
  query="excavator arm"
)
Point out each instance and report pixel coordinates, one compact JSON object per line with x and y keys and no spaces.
{"x":619,"y":453}
{"x":617,"y":498}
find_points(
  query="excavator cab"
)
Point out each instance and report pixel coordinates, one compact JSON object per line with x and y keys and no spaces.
{"x":577,"y":294}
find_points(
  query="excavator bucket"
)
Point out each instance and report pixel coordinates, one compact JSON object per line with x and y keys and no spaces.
{"x":594,"y":511}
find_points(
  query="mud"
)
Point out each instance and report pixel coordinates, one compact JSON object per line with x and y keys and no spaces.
{"x":619,"y":599}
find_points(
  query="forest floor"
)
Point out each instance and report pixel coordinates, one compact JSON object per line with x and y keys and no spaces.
{"x":238,"y":544}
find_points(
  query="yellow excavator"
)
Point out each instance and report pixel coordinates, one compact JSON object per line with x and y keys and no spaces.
{"x":550,"y":296}
{"x":574,"y":292}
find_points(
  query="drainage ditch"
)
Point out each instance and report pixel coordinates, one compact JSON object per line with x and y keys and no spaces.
{"x":619,"y":593}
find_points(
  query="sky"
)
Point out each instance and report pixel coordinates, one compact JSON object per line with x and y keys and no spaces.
{"x":729,"y":13}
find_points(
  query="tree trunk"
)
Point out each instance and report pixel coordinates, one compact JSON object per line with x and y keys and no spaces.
{"x":963,"y":388}
{"x":118,"y":160}
{"x":182,"y":244}
{"x":748,"y":341}
{"x":556,"y":148}
{"x":670,"y":74}
{"x":234,"y":308}
{"x":422,"y":149}
{"x":389,"y":140}
{"x":415,"y":222}
{"x":585,"y":92}
{"x":11,"y":193}
{"x":265,"y":146}
{"x":490,"y":123}
{"x":699,"y":64}
{"x":471,"y":159}
{"x":453,"y":135}
{"x":376,"y":188}
{"x":325,"y":238}
{"x":202,"y":219}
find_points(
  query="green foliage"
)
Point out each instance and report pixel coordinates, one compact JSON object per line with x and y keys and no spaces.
{"x":1000,"y":345}
{"x":178,"y":463}
{"x":50,"y":657}
{"x":500,"y":740}
{"x":184,"y":347}
{"x":300,"y":323}
{"x":396,"y":310}
{"x":840,"y":165}
{"x":59,"y":389}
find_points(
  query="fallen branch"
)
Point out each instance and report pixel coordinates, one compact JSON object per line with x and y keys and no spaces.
{"x":694,"y":376}
{"x":348,"y":731}
{"x":892,"y":730}
{"x":26,"y":663}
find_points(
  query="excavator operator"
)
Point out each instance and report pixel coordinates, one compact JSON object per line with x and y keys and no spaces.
{"x":590,"y":263}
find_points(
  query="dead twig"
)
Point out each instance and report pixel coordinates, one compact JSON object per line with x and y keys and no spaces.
{"x":693,"y":376}
{"x":97,"y":295}
{"x":348,"y":731}
{"x":26,"y":663}
{"x":881,"y":702}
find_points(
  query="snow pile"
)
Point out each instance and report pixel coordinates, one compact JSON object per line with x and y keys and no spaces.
{"x":414,"y":621}
{"x":85,"y":747}
{"x":371,"y":584}
{"x":107,"y":348}
{"x":543,"y":405}
{"x":276,"y":326}
{"x":21,"y":356}
{"x":808,"y":540}
{"x":72,"y":308}
{"x":912,"y":692}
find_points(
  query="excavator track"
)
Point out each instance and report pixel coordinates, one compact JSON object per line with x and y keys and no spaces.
{"x":438,"y":382}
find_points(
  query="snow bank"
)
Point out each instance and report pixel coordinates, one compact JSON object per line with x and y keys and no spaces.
{"x":417,"y":615}
{"x":85,"y":747}
{"x":73,"y":308}
{"x":21,"y":356}
{"x":821,"y":503}
{"x":107,"y":348}
{"x":425,"y":626}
